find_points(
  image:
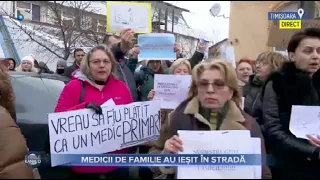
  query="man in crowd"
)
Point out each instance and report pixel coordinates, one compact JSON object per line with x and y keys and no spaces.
{"x":120,"y":46}
{"x":61,"y":66}
{"x":78,"y":55}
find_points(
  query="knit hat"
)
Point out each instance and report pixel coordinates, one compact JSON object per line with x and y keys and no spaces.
{"x":28,"y":58}
{"x":62,"y":63}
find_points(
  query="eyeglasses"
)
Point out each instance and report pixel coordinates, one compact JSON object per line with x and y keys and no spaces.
{"x":99,"y":61}
{"x":261,"y":63}
{"x":215,"y":85}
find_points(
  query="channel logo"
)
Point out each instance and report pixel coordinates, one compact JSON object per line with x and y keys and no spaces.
{"x":290,"y":24}
{"x":32,"y":159}
{"x":288,"y":20}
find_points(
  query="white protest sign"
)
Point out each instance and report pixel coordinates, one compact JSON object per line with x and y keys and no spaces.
{"x":256,"y":145}
{"x":305,"y":120}
{"x":171,"y":90}
{"x":110,"y":102}
{"x":227,"y":53}
{"x":85,"y":132}
{"x":121,"y":15}
{"x":221,"y":142}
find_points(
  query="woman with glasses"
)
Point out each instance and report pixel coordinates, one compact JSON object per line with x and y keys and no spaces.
{"x":94,"y":84}
{"x":266,"y":63}
{"x":145,"y":78}
{"x":213,"y":104}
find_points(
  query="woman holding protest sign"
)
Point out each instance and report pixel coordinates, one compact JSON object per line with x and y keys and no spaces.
{"x":213,"y":104}
{"x":93,"y":85}
{"x":178,"y":67}
{"x":296,"y":83}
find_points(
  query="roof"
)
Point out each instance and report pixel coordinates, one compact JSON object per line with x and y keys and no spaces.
{"x":218,"y":43}
{"x":176,"y":7}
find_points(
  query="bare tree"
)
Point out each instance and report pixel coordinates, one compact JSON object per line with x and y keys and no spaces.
{"x":65,"y":25}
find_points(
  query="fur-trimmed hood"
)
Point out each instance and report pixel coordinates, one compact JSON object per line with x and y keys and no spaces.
{"x":294,"y":86}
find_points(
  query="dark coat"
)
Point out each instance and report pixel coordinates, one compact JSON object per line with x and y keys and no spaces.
{"x":125,"y":69}
{"x":295,"y":157}
{"x":145,"y":77}
{"x":188,"y":111}
{"x":69,"y":70}
{"x":252,"y":102}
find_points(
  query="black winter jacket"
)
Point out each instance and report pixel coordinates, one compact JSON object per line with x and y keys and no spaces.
{"x":295,"y":157}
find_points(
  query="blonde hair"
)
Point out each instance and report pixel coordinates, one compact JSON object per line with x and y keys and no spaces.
{"x":84,"y":66}
{"x":227,"y":71}
{"x":179,"y":62}
{"x":274,"y":59}
{"x":33,"y":69}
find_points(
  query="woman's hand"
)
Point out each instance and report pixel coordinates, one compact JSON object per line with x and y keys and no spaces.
{"x":173,"y":145}
{"x":151,"y":94}
{"x":314,"y":140}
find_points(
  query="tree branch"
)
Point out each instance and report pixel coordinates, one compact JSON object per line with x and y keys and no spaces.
{"x":69,"y":34}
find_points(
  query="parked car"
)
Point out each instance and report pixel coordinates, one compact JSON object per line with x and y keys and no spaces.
{"x":36,"y":96}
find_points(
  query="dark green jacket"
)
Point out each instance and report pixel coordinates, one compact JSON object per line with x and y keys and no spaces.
{"x":145,"y":77}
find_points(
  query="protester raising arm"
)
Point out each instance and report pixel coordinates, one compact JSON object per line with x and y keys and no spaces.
{"x":133,"y":58}
{"x":119,"y":47}
{"x":196,"y":57}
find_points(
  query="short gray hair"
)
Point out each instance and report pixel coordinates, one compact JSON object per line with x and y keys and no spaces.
{"x":84,"y":67}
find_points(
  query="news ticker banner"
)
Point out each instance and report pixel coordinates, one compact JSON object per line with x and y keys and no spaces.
{"x":288,"y":20}
{"x":35,"y":160}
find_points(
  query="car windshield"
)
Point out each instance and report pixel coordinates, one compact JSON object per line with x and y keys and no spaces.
{"x":35,"y":98}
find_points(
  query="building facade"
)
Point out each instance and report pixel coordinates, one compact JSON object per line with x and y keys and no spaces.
{"x":249,"y":25}
{"x":47,"y":18}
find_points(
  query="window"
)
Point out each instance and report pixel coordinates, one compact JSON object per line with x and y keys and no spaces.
{"x":317,"y":10}
{"x":85,"y":22}
{"x":68,"y":19}
{"x":94,"y":24}
{"x":176,"y":20}
{"x":25,"y":5}
{"x":56,"y":16}
{"x":32,"y":9}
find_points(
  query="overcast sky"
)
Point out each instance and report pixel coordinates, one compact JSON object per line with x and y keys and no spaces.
{"x":217,"y":28}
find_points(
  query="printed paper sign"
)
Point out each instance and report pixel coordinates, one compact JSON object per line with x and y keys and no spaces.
{"x":156,"y":46}
{"x":85,"y":132}
{"x":232,"y":142}
{"x":171,"y":90}
{"x":305,"y":120}
{"x":121,"y":15}
{"x":227,"y":53}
